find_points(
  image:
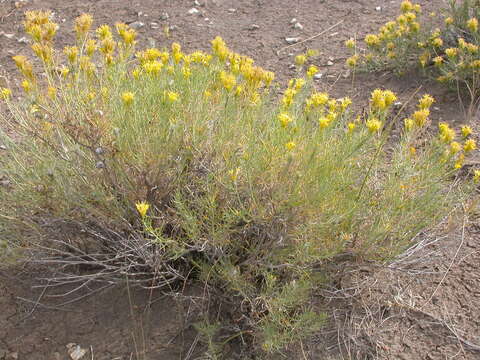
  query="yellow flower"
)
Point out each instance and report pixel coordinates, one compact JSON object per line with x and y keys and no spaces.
{"x":437,"y":42}
{"x":472,"y":24}
{"x":438,"y":60}
{"x":389,"y":97}
{"x":64,"y":71}
{"x":5,"y":93}
{"x":71,"y":52}
{"x":51,"y":92}
{"x":412,"y":151}
{"x":268,"y":77}
{"x":352,"y":61}
{"x":469,"y":145}
{"x":312,"y":70}
{"x":372,"y":40}
{"x":409,"y":123}
{"x":83,"y":24}
{"x":284,"y":119}
{"x":373,"y":125}
{"x":323,"y":122}
{"x":448,"y":21}
{"x":300,"y":59}
{"x":447,"y":134}
{"x":153,"y":67}
{"x":142,"y":208}
{"x":350,"y":43}
{"x":466,"y":131}
{"x":406,"y":6}
{"x":90,"y":47}
{"x":104,"y":32}
{"x":234,"y":174}
{"x":451,"y":52}
{"x":172,"y":96}
{"x":420,"y":117}
{"x":290,"y":145}
{"x":27,"y":86}
{"x":459,"y":162}
{"x":476,"y":176}
{"x":228,"y":80}
{"x":455,"y":147}
{"x":378,"y":100}
{"x":351,"y":126}
{"x":312,"y":52}
{"x":425,"y":102}
{"x":127,"y":98}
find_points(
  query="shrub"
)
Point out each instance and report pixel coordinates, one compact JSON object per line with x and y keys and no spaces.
{"x":165,"y":166}
{"x":450,"y":53}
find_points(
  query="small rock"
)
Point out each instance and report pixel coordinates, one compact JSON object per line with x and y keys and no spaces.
{"x":330,"y":63}
{"x":397,"y":104}
{"x":318,"y":76}
{"x":193,"y":11}
{"x":197,"y":3}
{"x":154,"y":25}
{"x":140,"y":13}
{"x":22,"y":40}
{"x":293,"y":21}
{"x":100,"y":165}
{"x":173,"y":27}
{"x":99,"y":151}
{"x":436,"y":108}
{"x":137,"y":25}
{"x":75,"y":351}
{"x":292,"y":40}
{"x":346,"y":74}
{"x":232,"y":10}
{"x":3,"y":147}
{"x":378,"y":8}
{"x":298,"y":26}
{"x":9,"y":36}
{"x":291,"y":66}
{"x":164,"y":16}
{"x":254,"y":27}
{"x":206,"y":19}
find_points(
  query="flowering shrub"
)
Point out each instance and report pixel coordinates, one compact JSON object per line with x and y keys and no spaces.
{"x":166,"y":166}
{"x":450,"y":54}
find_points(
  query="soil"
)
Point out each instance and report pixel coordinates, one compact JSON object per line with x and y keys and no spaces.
{"x":425,"y":307}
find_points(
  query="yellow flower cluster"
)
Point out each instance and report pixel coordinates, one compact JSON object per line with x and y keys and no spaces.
{"x":381,"y":100}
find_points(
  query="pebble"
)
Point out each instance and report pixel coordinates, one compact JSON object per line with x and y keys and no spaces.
{"x":22,"y":40}
{"x":136,"y":25}
{"x":9,"y":36}
{"x":397,"y":104}
{"x":164,"y":16}
{"x":197,"y":3}
{"x":232,"y":10}
{"x":193,"y":11}
{"x":291,"y":66}
{"x":154,"y":25}
{"x":330,"y":63}
{"x":318,"y":76}
{"x":378,"y":8}
{"x":293,"y":21}
{"x":298,"y":26}
{"x":292,"y":40}
{"x":254,"y":27}
{"x":3,"y":147}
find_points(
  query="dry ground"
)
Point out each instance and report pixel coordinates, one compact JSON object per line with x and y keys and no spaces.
{"x":424,"y":307}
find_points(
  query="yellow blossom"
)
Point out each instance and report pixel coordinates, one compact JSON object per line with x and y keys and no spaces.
{"x":127,"y":98}
{"x":172,"y":96}
{"x":373,"y":125}
{"x":350,"y":43}
{"x":5,"y":93}
{"x":420,"y":117}
{"x":142,"y":208}
{"x":51,"y":92}
{"x":104,"y":32}
{"x":352,"y":61}
{"x":437,"y":42}
{"x":234,"y":174}
{"x":312,"y":70}
{"x":476,"y":176}
{"x":469,"y":145}
{"x":300,"y":59}
{"x":290,"y":145}
{"x":351,"y":126}
{"x":466,"y":131}
{"x":372,"y":40}
{"x":83,"y":24}
{"x":228,"y":80}
{"x":412,"y":151}
{"x":448,"y":21}
{"x":406,"y":6}
{"x":284,"y":119}
{"x":459,"y":162}
{"x":455,"y":147}
{"x":409,"y":123}
{"x":71,"y":52}
{"x":27,"y":86}
{"x":472,"y":24}
{"x":324,"y":122}
{"x":447,"y":134}
{"x":90,"y":47}
{"x":451,"y":52}
{"x":426,"y":102}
